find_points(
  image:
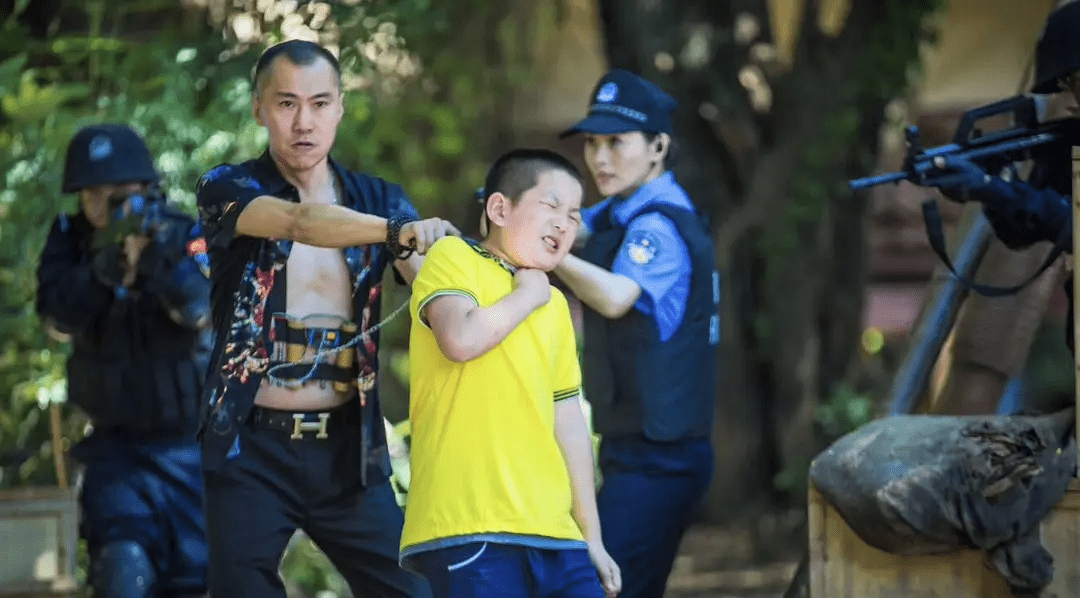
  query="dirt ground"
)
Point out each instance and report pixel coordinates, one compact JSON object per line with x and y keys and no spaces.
{"x":739,"y":561}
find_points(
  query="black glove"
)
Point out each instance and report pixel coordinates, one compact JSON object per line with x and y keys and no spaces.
{"x":1020,"y":214}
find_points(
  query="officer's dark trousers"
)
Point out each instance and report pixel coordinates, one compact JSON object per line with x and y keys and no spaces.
{"x":142,"y":515}
{"x":649,"y":494}
{"x":275,"y":485}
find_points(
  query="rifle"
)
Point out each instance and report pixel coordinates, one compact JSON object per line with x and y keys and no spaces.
{"x":184,"y":290}
{"x":131,"y":214}
{"x":996,"y":152}
{"x":993,"y":151}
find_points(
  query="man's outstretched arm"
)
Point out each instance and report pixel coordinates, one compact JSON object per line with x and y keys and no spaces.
{"x":232,"y":204}
{"x":323,"y":225}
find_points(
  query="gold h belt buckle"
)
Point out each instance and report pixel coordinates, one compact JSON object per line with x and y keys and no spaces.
{"x":300,"y":426}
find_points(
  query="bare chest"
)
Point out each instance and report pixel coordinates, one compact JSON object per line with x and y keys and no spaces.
{"x":317,"y":281}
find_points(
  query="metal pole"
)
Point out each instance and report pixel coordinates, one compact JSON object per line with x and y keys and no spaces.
{"x":938,"y":318}
{"x":1076,"y":275}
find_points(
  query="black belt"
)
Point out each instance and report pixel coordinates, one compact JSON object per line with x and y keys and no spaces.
{"x":305,"y":424}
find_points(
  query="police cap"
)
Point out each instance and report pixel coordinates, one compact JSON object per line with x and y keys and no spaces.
{"x":624,"y":102}
{"x":107,"y":154}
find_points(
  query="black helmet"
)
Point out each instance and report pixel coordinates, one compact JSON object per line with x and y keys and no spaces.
{"x":105,"y":155}
{"x":1058,"y":51}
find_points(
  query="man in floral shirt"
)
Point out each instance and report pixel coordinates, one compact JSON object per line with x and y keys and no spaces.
{"x":292,"y":431}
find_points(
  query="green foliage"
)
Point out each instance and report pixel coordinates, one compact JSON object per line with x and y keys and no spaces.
{"x":845,"y":411}
{"x":50,"y":89}
{"x":308,"y":572}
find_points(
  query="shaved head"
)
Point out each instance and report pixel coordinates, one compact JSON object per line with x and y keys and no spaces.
{"x":297,"y":51}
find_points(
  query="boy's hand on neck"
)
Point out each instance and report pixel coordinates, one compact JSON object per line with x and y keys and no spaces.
{"x":534,"y":284}
{"x":465,"y":331}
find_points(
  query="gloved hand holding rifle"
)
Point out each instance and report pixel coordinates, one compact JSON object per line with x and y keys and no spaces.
{"x":1020,"y":214}
{"x":981,"y":166}
{"x":149,"y":246}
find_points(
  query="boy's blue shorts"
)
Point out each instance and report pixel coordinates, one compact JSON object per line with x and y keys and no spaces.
{"x":508,"y":571}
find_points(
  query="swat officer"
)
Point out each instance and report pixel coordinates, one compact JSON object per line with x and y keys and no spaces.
{"x":125,"y":281}
{"x":1025,"y":212}
{"x":647,"y":278}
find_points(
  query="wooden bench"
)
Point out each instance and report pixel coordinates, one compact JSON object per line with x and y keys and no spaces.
{"x":38,"y":539}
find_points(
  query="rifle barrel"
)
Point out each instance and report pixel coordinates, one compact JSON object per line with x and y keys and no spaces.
{"x":879,"y":179}
{"x":924,"y":163}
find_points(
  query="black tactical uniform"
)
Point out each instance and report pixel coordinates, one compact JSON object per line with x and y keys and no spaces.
{"x":1025,"y":212}
{"x":137,"y":367}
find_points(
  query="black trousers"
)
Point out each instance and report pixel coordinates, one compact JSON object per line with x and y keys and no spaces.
{"x":149,"y":493}
{"x":275,"y":485}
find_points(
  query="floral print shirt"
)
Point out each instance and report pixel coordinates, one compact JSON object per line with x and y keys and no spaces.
{"x":248,"y":277}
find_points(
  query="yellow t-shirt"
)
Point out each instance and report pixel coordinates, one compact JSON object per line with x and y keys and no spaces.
{"x":484,"y":459}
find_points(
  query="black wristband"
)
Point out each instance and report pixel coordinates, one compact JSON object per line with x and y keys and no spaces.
{"x":393,"y":236}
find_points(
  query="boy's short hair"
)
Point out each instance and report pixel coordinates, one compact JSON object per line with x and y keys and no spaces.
{"x":518,"y":170}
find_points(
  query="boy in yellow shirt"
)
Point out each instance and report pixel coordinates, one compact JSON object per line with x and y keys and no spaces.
{"x":502,"y":501}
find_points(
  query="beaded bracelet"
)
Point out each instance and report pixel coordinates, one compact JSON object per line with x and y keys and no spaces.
{"x":393,"y":236}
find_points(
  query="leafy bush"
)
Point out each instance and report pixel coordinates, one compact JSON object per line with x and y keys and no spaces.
{"x":845,"y":411}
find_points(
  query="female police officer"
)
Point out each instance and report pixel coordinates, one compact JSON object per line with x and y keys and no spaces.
{"x":647,"y":277}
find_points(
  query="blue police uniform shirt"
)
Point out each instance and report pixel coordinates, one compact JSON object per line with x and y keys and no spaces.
{"x":653,"y":253}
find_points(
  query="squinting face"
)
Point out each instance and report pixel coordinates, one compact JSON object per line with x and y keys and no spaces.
{"x":621,"y":163}
{"x":300,"y":106}
{"x":95,"y":200}
{"x":540,"y":229}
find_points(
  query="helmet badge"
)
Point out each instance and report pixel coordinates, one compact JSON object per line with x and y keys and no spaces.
{"x":101,"y":147}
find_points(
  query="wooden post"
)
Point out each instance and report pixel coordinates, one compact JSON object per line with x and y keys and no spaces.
{"x":1076,"y":276}
{"x":57,"y":445}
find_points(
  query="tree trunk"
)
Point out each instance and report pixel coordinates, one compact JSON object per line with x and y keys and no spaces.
{"x":764,"y":148}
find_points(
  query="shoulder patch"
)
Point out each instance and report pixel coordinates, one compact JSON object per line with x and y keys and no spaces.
{"x":642,"y":247}
{"x":196,"y":246}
